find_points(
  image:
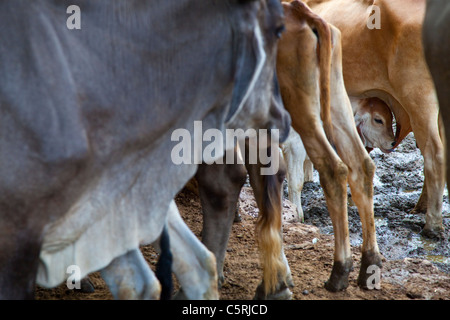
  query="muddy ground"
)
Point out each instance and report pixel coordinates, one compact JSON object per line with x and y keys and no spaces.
{"x":414,"y":267}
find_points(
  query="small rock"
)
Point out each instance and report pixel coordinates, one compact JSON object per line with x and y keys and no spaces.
{"x":305,"y":292}
{"x":414,"y":292}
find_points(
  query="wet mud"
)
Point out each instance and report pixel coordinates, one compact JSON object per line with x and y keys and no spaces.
{"x":397,"y":187}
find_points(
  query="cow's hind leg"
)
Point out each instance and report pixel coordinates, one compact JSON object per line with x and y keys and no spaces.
{"x":361,"y":185}
{"x":129,"y":277}
{"x":219,"y":188}
{"x":334,"y":183}
{"x":360,"y":179}
{"x":268,"y":194}
{"x":333,"y":179}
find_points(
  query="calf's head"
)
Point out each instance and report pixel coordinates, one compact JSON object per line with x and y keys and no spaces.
{"x":373,"y":120}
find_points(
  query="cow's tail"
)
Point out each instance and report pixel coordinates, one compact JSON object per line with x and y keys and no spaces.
{"x":164,"y":266}
{"x":325,"y":72}
{"x":323,"y":32}
{"x":268,"y":229}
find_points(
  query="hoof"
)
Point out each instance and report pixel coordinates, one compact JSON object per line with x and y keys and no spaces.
{"x":339,"y":276}
{"x":419,"y":209}
{"x":336,"y":285}
{"x":180,"y":295}
{"x":220,"y":281}
{"x":433,"y":233}
{"x":282,"y":293}
{"x":86,"y":286}
{"x":289,"y":281}
{"x":369,"y":273}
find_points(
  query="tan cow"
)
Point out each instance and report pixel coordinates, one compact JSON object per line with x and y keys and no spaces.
{"x":310,"y":76}
{"x":373,"y":120}
{"x":388,"y":63}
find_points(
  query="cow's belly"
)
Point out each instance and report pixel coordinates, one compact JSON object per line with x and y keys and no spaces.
{"x":124,"y":208}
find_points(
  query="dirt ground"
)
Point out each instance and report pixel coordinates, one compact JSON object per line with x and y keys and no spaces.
{"x":413,"y":267}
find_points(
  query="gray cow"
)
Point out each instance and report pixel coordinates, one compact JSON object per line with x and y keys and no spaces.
{"x":86,"y":117}
{"x":436,"y":42}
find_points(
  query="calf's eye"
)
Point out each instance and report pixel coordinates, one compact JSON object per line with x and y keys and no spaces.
{"x":379,"y":121}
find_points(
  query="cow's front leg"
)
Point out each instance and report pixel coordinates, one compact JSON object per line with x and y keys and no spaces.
{"x":129,"y":277}
{"x":193,"y":264}
{"x":434,"y":179}
{"x":426,"y":132}
{"x":219,"y":188}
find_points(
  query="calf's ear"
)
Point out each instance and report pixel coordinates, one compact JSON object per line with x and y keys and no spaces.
{"x":250,"y":58}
